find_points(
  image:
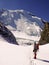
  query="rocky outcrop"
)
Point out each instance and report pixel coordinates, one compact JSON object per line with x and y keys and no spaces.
{"x":45,"y":34}
{"x":7,"y":35}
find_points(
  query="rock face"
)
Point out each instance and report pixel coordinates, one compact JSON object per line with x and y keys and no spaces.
{"x":45,"y":34}
{"x":7,"y":35}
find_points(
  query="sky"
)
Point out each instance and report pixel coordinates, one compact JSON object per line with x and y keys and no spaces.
{"x":39,"y":8}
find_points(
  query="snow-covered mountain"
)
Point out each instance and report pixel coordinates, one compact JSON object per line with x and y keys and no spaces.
{"x":26,"y":28}
{"x":22,"y":21}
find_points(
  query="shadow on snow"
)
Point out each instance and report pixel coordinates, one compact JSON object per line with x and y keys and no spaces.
{"x":43,"y":60}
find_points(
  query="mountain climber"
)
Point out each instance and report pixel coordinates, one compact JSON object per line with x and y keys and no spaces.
{"x":36,"y":48}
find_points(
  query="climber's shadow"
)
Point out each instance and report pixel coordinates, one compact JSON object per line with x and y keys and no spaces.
{"x":43,"y":60}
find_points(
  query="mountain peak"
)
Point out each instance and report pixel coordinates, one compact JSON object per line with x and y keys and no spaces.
{"x":21,"y":20}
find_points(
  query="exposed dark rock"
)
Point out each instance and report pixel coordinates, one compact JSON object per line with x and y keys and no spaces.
{"x":7,"y":35}
{"x":45,"y":35}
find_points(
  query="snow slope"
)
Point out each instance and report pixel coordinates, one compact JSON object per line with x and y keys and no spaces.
{"x":24,"y":39}
{"x":43,"y":55}
{"x":14,"y":55}
{"x":22,"y":55}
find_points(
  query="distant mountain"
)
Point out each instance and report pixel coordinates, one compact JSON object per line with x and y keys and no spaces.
{"x":23,"y":22}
